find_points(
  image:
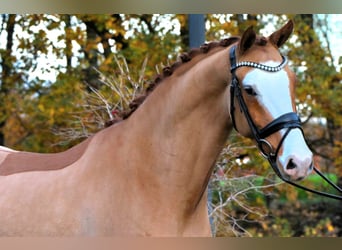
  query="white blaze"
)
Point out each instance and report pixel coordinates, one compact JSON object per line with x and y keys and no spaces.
{"x":273,"y":93}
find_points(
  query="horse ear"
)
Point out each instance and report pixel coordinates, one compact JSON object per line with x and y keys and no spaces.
{"x":279,"y":37}
{"x":247,"y":40}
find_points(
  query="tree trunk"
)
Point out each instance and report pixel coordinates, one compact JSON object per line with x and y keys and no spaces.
{"x":68,"y":43}
{"x":6,"y":66}
{"x":91,"y":77}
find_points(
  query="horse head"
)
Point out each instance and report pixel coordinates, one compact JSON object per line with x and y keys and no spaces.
{"x":263,"y":102}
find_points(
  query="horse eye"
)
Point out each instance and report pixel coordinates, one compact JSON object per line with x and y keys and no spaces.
{"x":250,"y":91}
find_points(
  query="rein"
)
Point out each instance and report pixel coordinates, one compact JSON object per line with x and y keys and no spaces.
{"x":286,"y":121}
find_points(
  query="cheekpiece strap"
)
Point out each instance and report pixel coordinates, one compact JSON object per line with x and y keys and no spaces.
{"x":232,"y":58}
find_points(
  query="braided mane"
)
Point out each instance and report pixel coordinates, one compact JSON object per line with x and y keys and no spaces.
{"x":168,"y":71}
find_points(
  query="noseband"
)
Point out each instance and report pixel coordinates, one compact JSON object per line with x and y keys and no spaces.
{"x":286,"y":121}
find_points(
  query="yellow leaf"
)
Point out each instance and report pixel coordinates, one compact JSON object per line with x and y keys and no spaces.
{"x":41,"y":107}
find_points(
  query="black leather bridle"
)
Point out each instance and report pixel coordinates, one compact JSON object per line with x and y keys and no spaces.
{"x":286,"y":121}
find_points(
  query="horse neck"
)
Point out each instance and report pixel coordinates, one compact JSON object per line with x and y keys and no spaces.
{"x":181,"y":128}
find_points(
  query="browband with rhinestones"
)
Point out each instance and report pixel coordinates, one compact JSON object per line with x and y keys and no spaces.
{"x":261,"y":66}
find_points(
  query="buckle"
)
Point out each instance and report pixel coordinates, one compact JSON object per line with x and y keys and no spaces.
{"x":266,"y":149}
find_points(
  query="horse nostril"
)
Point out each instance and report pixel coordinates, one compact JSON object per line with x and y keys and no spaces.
{"x":291,"y":165}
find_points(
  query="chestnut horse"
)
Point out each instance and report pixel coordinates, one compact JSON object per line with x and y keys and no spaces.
{"x":147,"y":175}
